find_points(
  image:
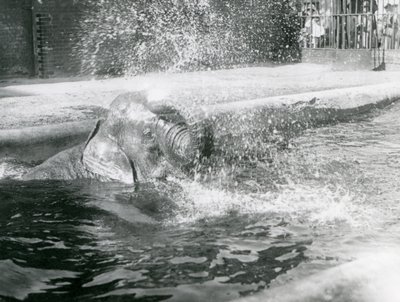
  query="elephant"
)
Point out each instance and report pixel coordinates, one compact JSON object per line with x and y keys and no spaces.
{"x":138,"y":141}
{"x":141,"y":140}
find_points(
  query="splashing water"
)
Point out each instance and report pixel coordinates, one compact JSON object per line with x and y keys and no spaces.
{"x":11,"y":168}
{"x":128,"y":37}
{"x":315,"y":205}
{"x":316,"y":222}
{"x":154,"y":36}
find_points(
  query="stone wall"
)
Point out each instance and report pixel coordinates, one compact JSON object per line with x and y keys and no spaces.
{"x":392,"y":59}
{"x":353,"y":59}
{"x":16,"y":53}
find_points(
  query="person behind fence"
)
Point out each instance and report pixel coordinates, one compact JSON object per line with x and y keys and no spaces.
{"x":391,"y":32}
{"x":305,"y":34}
{"x":367,"y":27}
{"x":315,"y":31}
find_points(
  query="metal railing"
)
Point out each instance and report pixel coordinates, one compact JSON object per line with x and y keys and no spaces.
{"x":350,"y":26}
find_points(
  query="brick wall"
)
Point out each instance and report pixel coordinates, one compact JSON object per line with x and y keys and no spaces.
{"x":16,"y":58}
{"x":56,"y":27}
{"x":37,"y":37}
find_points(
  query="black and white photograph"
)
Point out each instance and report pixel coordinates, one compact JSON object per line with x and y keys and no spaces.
{"x":200,"y":150}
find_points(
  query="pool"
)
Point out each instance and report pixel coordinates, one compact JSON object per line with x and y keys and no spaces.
{"x":260,"y":227}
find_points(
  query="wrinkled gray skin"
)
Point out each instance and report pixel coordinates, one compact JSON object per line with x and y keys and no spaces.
{"x":138,"y":141}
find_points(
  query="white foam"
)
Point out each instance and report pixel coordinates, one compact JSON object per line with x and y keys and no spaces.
{"x":11,"y":169}
{"x":315,"y":205}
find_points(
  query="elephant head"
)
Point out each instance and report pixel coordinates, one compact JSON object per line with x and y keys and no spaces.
{"x":139,"y":140}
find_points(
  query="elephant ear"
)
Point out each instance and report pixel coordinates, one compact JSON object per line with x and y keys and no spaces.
{"x":106,"y":160}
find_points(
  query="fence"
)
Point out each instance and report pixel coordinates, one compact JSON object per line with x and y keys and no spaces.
{"x":350,"y":24}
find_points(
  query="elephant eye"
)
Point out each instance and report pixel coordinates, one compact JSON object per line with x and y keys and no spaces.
{"x":147,"y":134}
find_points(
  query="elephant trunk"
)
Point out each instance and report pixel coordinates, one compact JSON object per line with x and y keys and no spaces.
{"x":182,"y":143}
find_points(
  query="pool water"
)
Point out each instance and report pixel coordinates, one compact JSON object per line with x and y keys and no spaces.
{"x":271,"y":228}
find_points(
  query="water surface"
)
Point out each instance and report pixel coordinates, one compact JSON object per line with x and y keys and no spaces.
{"x":328,"y":202}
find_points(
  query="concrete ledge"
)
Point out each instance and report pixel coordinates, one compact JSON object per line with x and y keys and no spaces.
{"x":340,"y":59}
{"x":278,"y":112}
{"x":342,"y":99}
{"x":35,"y":144}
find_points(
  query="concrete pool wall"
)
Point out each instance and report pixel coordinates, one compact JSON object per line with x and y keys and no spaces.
{"x":38,"y":143}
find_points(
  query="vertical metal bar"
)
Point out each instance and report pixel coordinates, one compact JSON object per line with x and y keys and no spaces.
{"x":366,"y":30}
{"x":371,"y":6}
{"x":334,"y":44}
{"x":331,"y":31}
{"x":338,"y":23}
{"x":322,"y":25}
{"x":394,"y":32}
{"x":397,"y":41}
{"x":390,"y":44}
{"x":343,"y":32}
{"x":337,"y":32}
{"x":332,"y":24}
{"x":322,"y":19}
{"x":344,"y":20}
{"x":371,"y":31}
{"x":348,"y":25}
{"x":355,"y":19}
{"x":354,"y":30}
{"x":362,"y":31}
{"x":384,"y":18}
{"x":328,"y":36}
{"x":345,"y":24}
{"x":311,"y":25}
{"x":339,"y":26}
{"x":342,"y":29}
{"x":391,"y":26}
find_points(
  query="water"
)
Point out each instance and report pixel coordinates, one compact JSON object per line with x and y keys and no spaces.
{"x":318,"y":222}
{"x":122,"y":37}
